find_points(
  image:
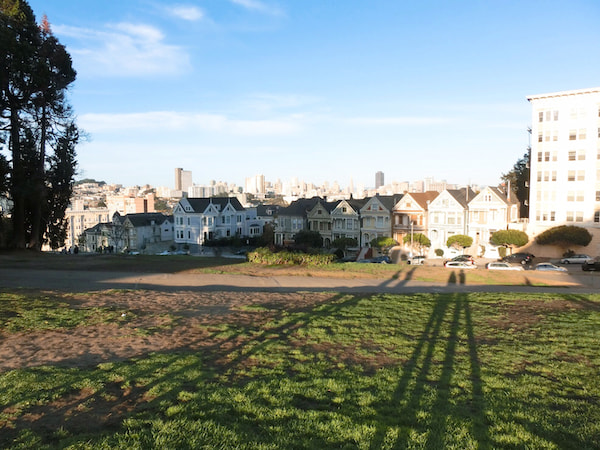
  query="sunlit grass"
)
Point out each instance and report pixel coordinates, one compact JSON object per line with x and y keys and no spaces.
{"x":377,"y":371}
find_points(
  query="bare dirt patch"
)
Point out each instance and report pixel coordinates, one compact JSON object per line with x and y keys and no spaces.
{"x":159,"y":322}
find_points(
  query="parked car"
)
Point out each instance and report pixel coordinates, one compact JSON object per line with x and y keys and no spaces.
{"x":518,"y":258}
{"x":416,"y":260}
{"x":381,"y":260}
{"x":500,"y":265}
{"x":575,"y":259}
{"x":459,"y":265}
{"x":548,"y":267}
{"x":591,"y":265}
{"x":462,"y":258}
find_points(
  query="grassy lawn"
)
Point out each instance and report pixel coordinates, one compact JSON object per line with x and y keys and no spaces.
{"x":380,"y":371}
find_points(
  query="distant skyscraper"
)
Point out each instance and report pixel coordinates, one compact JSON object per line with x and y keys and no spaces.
{"x":379,"y":180}
{"x":183,"y":179}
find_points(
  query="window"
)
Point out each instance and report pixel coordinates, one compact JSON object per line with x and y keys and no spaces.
{"x":548,"y":115}
{"x":539,"y":176}
{"x":582,"y":133}
{"x":597,"y":217}
{"x":580,"y":175}
{"x":540,"y":137}
{"x":555,"y":115}
{"x":572,"y":135}
{"x":598,"y":196}
{"x":552,"y":216}
{"x":570,"y":196}
{"x":572,"y":155}
{"x":555,"y":135}
{"x":581,"y":155}
{"x":579,"y":216}
{"x":569,"y":216}
{"x":546,"y":176}
{"x":554,"y":175}
{"x":547,"y":156}
{"x":540,"y":156}
{"x":579,"y":197}
{"x":554,"y":156}
{"x":541,"y":116}
{"x":571,"y":175}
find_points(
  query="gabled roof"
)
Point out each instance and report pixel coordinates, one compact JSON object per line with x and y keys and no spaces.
{"x":388,"y":201}
{"x":327,"y":206}
{"x":502,"y":195}
{"x":422,"y":198}
{"x":200,"y":205}
{"x":462,"y":196}
{"x":353,"y":203}
{"x":299,"y":207}
{"x":263,"y":210}
{"x":145,"y":219}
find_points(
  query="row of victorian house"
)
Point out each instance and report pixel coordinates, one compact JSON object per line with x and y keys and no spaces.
{"x":438,"y":215}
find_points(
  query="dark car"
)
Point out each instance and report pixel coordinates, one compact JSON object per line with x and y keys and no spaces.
{"x":462,"y":258}
{"x":591,"y":265}
{"x":381,"y":260}
{"x":519,"y":258}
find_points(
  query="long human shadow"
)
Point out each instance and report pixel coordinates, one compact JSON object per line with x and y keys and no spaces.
{"x":416,"y":376}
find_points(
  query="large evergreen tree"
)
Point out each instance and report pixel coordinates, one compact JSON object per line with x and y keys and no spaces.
{"x":518,"y":179}
{"x":37,"y":121}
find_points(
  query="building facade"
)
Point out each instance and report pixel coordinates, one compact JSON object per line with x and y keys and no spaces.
{"x":565,"y":162}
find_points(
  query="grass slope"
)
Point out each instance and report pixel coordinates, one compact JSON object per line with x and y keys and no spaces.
{"x":379,"y":371}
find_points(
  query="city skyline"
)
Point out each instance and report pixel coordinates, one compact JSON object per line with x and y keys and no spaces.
{"x":227,"y":89}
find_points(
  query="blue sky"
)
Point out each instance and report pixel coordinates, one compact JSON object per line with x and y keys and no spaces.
{"x":321,"y":90}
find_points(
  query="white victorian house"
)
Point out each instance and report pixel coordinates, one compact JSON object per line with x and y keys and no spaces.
{"x":491,"y":210}
{"x":448,"y":217}
{"x":376,"y":217}
{"x":198,"y":220}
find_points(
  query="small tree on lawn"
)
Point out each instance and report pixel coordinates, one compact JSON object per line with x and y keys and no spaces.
{"x":418,"y":239}
{"x":565,"y":236}
{"x":311,"y":239}
{"x":509,"y":239}
{"x":459,"y":241}
{"x":384,"y":243}
{"x":344,"y":242}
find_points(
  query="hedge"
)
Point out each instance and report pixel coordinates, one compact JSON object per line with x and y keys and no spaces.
{"x":265,"y":256}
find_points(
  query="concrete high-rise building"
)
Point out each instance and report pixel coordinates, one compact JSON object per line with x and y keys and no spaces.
{"x":565,"y":162}
{"x":183,"y":179}
{"x":255,"y":185}
{"x":379,"y":181}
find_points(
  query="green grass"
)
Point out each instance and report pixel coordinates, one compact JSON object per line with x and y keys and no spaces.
{"x":380,"y":371}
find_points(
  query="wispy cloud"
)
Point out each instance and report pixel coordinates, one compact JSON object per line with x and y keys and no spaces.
{"x":186,"y":12}
{"x":124,"y":49}
{"x":176,"y":121}
{"x":397,"y":121}
{"x":255,"y":5}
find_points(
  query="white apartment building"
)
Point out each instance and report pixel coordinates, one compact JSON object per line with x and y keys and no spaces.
{"x":565,"y":162}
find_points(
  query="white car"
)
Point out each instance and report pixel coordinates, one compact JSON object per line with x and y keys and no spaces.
{"x":459,"y":265}
{"x":576,"y":259}
{"x":500,"y":265}
{"x":548,"y":267}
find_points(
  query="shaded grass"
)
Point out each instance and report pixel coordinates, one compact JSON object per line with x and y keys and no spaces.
{"x":376,"y":371}
{"x":221,"y":265}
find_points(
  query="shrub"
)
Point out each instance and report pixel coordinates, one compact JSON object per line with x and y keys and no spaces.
{"x":265,"y":256}
{"x":439,"y":252}
{"x":502,"y":252}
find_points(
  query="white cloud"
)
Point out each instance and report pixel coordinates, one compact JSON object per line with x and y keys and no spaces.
{"x":124,"y":49}
{"x":255,"y":5}
{"x":174,"y":121}
{"x":398,"y":121}
{"x":186,"y":12}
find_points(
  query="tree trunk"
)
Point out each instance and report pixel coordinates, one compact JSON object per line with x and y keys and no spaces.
{"x":17,"y":180}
